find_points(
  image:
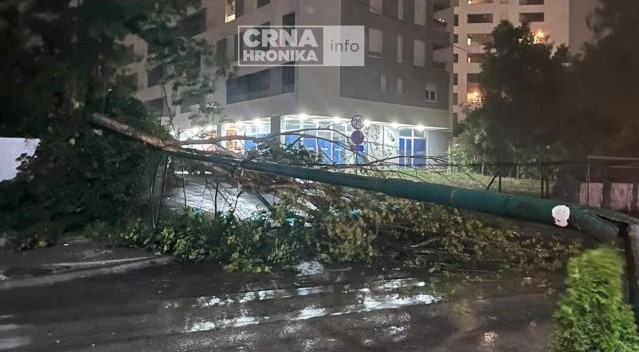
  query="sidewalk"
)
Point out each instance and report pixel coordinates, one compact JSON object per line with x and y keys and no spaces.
{"x":72,"y":258}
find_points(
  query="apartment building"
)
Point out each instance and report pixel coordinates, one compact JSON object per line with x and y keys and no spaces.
{"x":556,"y":21}
{"x":402,"y":91}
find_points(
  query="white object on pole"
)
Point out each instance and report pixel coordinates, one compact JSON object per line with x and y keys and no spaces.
{"x":561,"y":214}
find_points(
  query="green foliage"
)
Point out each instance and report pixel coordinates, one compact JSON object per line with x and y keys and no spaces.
{"x":592,"y":315}
{"x":354,"y":227}
{"x":460,"y":157}
{"x":251,"y":245}
{"x":80,"y":176}
{"x":62,"y":64}
{"x":521,"y":90}
{"x":351,"y":238}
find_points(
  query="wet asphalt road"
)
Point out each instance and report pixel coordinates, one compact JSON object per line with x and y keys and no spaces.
{"x":187,"y":307}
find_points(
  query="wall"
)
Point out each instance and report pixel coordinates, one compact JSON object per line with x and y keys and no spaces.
{"x":624,"y":197}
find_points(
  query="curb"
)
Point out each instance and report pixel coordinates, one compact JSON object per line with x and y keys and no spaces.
{"x":63,"y":277}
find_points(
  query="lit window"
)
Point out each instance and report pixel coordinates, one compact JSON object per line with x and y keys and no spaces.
{"x":473,"y":97}
{"x":230,"y":11}
{"x":475,"y":58}
{"x":540,"y":37}
{"x":478,"y":39}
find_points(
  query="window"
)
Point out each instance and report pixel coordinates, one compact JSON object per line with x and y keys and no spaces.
{"x":400,"y":49}
{"x":412,"y":147}
{"x":374,"y":42}
{"x":480,"y":18}
{"x":473,"y":78}
{"x":431,"y":93}
{"x":193,"y":25}
{"x":288,"y":78}
{"x":419,"y":53}
{"x":455,"y":98}
{"x":230,"y":11}
{"x":531,"y":2}
{"x":382,"y":84}
{"x":251,"y":86}
{"x":221,"y":50}
{"x":262,"y":3}
{"x":531,"y":17}
{"x":400,"y":10}
{"x":456,"y":20}
{"x":455,"y":79}
{"x":156,"y":107}
{"x":155,"y":76}
{"x":288,"y":20}
{"x":376,"y":6}
{"x":455,"y":58}
{"x":420,"y":12}
{"x":479,"y":2}
{"x":400,"y":86}
{"x":478,"y":39}
{"x":473,"y":95}
{"x":239,"y":7}
{"x":189,"y":103}
{"x":456,"y":38}
{"x":475,"y":58}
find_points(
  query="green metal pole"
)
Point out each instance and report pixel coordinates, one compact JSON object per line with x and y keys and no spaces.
{"x":511,"y":206}
{"x":603,"y":225}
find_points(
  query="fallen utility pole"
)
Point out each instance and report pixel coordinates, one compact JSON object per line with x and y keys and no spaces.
{"x":605,"y":226}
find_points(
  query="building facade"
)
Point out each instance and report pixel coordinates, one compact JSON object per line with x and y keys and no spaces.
{"x":403,"y":90}
{"x":557,"y":21}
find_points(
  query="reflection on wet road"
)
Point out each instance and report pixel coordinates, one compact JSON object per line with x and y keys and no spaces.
{"x":187,"y":308}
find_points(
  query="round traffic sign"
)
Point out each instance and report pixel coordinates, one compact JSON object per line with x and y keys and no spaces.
{"x":357,"y":121}
{"x":357,"y":137}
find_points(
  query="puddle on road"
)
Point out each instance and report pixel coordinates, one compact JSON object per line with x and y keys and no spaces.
{"x":330,"y":300}
{"x":12,"y":335}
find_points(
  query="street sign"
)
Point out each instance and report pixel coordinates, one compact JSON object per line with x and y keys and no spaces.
{"x":357,"y":121}
{"x":357,"y":148}
{"x":357,"y":137}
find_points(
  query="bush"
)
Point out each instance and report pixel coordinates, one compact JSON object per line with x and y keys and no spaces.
{"x":592,"y":315}
{"x":252,"y":245}
{"x":81,"y":175}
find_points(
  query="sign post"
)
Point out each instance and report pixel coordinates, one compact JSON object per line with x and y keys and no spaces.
{"x":357,"y":137}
